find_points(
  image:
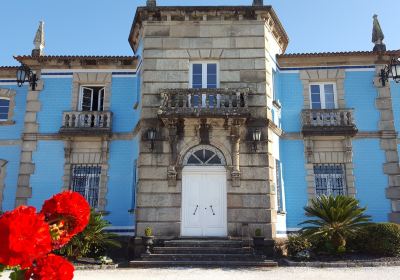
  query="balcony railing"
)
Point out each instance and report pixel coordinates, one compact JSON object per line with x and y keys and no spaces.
{"x":328,"y":122}
{"x":204,"y":102}
{"x":86,"y":122}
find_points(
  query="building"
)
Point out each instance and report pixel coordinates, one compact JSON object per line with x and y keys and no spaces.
{"x":210,"y":129}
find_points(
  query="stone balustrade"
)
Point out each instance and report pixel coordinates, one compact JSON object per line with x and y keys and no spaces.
{"x":204,"y":102}
{"x":86,"y":122}
{"x":328,"y":122}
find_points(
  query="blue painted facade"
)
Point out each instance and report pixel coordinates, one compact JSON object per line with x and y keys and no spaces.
{"x":360,"y":94}
{"x":368,"y":158}
{"x":12,"y":155}
{"x":49,"y":170}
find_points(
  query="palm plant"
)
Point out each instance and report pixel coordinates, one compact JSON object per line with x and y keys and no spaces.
{"x":336,"y":219}
{"x":92,"y":241}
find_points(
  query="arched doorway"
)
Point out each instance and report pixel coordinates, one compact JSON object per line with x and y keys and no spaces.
{"x":204,"y":194}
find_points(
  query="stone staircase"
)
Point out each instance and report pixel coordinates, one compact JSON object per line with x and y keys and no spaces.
{"x":199,"y":252}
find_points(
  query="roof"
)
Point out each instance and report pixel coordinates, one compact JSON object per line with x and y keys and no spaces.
{"x":246,"y":11}
{"x":78,"y":61}
{"x":336,"y":58}
{"x":349,"y":53}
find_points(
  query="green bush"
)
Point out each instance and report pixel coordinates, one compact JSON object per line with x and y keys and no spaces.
{"x":297,"y":243}
{"x":257,"y":232}
{"x":92,"y":242}
{"x":335,"y":219}
{"x":148,"y":231}
{"x":381,"y":239}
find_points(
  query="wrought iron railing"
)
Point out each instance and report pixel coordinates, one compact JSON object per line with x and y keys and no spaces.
{"x":86,"y":120}
{"x":329,"y":120}
{"x":204,"y":101}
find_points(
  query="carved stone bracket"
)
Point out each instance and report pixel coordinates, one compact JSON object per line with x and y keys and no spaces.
{"x":348,"y":150}
{"x":172,"y":126}
{"x":204,"y":132}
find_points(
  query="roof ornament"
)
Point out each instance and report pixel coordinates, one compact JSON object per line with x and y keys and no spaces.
{"x":258,"y":3}
{"x":377,"y":36}
{"x":151,"y":3}
{"x":39,"y":42}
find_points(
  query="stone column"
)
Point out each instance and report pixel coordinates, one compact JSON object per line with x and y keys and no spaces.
{"x":173,"y":141}
{"x":388,"y":143}
{"x":235,"y":140}
{"x":29,"y":145}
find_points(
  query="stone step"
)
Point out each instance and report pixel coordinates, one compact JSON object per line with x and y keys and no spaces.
{"x":204,"y":243}
{"x":265,"y":263}
{"x":202,"y":257}
{"x":202,"y":250}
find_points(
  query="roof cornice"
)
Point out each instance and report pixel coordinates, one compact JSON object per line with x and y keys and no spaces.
{"x":196,"y":13}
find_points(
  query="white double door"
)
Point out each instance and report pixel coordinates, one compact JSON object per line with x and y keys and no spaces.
{"x":204,"y":201}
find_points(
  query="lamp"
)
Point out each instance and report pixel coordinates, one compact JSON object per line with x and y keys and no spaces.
{"x":256,"y":138}
{"x":392,"y":70}
{"x":25,"y":73}
{"x":151,"y":135}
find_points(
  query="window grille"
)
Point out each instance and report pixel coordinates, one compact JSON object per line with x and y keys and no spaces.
{"x":330,"y":179}
{"x":86,"y":181}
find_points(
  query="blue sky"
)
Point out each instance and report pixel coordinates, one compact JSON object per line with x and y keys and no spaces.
{"x":101,"y":27}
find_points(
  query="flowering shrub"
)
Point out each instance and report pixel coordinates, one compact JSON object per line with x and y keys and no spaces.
{"x":27,"y":238}
{"x":68,"y":214}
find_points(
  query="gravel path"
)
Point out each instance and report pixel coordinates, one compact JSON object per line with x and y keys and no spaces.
{"x":381,"y":273}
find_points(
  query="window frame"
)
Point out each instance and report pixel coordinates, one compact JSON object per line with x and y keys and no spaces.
{"x":91,"y":86}
{"x":322,"y":95}
{"x":9,"y":108}
{"x":204,"y":73}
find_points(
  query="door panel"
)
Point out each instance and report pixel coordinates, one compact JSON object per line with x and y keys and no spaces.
{"x":204,"y":201}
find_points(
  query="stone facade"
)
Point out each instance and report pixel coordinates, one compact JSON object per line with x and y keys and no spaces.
{"x":242,"y":50}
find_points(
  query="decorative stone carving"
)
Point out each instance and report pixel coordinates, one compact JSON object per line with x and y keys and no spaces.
{"x":39,"y":42}
{"x":377,"y":36}
{"x":235,"y":140}
{"x":204,"y":132}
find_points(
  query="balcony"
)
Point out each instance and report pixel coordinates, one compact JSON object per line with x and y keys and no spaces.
{"x":328,"y":122}
{"x":213,"y":103}
{"x":86,"y":123}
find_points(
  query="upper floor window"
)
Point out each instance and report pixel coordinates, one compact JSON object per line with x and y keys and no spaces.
{"x":329,"y":179}
{"x":323,"y":96}
{"x":204,"y":75}
{"x":4,"y":108}
{"x":91,"y":98}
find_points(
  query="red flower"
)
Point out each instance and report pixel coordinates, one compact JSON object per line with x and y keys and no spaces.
{"x":24,"y":236}
{"x":68,"y":214}
{"x":51,"y":267}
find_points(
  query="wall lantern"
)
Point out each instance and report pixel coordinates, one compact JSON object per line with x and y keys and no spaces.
{"x":256,"y":138}
{"x":392,"y":70}
{"x":25,"y":73}
{"x":151,"y":135}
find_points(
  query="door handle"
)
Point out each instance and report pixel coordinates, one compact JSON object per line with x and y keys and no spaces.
{"x":195,"y":210}
{"x":212,"y":210}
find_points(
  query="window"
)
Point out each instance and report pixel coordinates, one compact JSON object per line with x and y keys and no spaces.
{"x":204,"y":155}
{"x":329,"y":179}
{"x":204,"y":75}
{"x":91,"y":98}
{"x":323,"y":96}
{"x":86,"y":181}
{"x":4,"y":108}
{"x":279,"y":189}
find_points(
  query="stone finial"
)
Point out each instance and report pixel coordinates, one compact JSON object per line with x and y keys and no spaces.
{"x":258,"y":3}
{"x":151,"y":3}
{"x":39,"y":42}
{"x":377,"y":36}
